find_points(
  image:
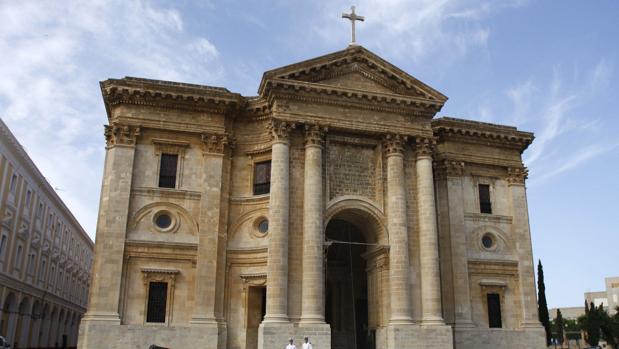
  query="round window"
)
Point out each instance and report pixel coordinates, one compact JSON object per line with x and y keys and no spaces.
{"x":263,"y":226}
{"x":163,"y":221}
{"x":487,"y":241}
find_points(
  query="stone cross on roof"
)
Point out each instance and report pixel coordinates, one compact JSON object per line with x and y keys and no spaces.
{"x":352,"y":16}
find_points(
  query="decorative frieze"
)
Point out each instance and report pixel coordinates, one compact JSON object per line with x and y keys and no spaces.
{"x":280,"y":130}
{"x":394,"y":144}
{"x":517,"y":175}
{"x":424,"y":146}
{"x":117,"y":134}
{"x":314,"y":135}
{"x":216,"y":143}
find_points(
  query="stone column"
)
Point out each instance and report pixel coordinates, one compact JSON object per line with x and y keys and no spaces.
{"x":428,"y":237}
{"x":521,"y":232}
{"x":399,"y":262}
{"x":208,"y":236}
{"x":313,"y":310}
{"x":112,"y":224}
{"x":277,"y":260}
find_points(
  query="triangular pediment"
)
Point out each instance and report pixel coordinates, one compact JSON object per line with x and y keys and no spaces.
{"x":355,"y":68}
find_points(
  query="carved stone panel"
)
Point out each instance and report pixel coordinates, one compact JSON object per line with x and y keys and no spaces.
{"x":351,"y":169}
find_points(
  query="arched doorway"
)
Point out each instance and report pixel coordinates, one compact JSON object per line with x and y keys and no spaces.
{"x":346,"y":308}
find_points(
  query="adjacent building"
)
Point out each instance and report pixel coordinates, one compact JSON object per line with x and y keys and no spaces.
{"x":609,"y":297}
{"x":45,"y":256}
{"x":333,"y":204}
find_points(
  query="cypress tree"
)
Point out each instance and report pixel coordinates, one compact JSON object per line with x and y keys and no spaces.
{"x":559,"y":326}
{"x":542,"y":307}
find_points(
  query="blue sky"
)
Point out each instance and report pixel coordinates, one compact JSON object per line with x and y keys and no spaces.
{"x":549,"y":67}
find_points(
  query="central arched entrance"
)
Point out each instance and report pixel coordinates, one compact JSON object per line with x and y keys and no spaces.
{"x":346,"y":308}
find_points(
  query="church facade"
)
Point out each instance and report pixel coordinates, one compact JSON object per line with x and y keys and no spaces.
{"x":333,"y":204}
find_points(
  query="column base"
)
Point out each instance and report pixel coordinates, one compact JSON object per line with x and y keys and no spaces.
{"x":319,"y":334}
{"x":106,"y":336}
{"x":111,"y":318}
{"x":273,"y":334}
{"x":419,"y":337}
{"x":492,"y":338}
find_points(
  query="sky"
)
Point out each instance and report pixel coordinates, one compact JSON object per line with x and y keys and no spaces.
{"x":549,"y":67}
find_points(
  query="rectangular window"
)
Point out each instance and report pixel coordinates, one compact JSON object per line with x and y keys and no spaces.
{"x":2,"y":246}
{"x":167,"y":170}
{"x":42,"y":270}
{"x":262,"y":177}
{"x":40,"y":210}
{"x":30,"y":267}
{"x":485,"y":206}
{"x":28,"y":198}
{"x":13,"y":185}
{"x":18,"y":258}
{"x":157,"y":299}
{"x":494,"y":310}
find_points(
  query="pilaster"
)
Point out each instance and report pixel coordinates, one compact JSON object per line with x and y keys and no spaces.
{"x":215,"y":146}
{"x":516,"y":178}
{"x":112,"y":223}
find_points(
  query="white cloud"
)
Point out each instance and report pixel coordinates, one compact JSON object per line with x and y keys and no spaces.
{"x":419,"y":29}
{"x":53,"y":54}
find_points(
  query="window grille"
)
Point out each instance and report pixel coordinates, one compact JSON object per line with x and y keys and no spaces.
{"x":157,"y":299}
{"x":485,"y":206}
{"x":494,"y":310}
{"x":262,"y":178}
{"x":167,"y":170}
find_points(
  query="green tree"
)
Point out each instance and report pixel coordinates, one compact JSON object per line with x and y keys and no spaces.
{"x":608,"y":327}
{"x":542,"y":306}
{"x":559,"y":326}
{"x":591,"y":324}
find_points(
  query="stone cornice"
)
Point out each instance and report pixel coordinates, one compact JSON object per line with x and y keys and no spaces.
{"x":351,"y":98}
{"x":481,"y":133}
{"x":166,"y":94}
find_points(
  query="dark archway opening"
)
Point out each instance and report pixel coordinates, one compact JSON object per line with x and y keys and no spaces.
{"x":346,"y":308}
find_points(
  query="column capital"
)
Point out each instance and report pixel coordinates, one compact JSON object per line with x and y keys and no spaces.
{"x":118,"y":134}
{"x":424,"y":147}
{"x":448,"y":168}
{"x":517,"y":175}
{"x":280,"y":130}
{"x":314,"y":135}
{"x":216,"y":143}
{"x":394,"y":144}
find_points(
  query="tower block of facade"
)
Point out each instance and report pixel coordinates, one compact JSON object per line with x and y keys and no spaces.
{"x":333,"y":204}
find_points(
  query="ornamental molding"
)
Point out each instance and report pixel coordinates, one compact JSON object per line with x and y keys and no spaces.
{"x":170,"y":95}
{"x":352,"y":98}
{"x":424,"y":147}
{"x":481,"y":133}
{"x":280,"y":130}
{"x":124,"y":135}
{"x":517,"y":175}
{"x":169,"y":146}
{"x":216,"y":143}
{"x":314,"y":135}
{"x":393,"y":144}
{"x":353,"y":59}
